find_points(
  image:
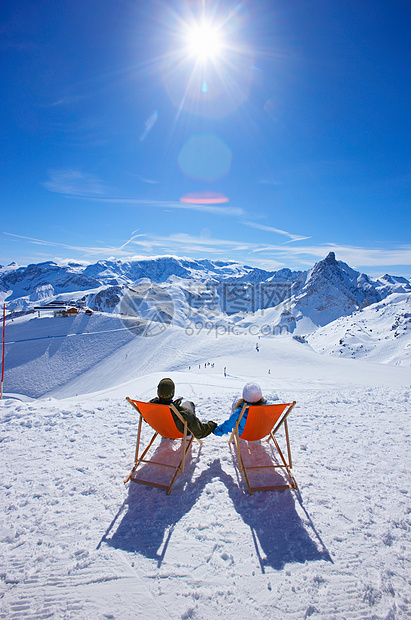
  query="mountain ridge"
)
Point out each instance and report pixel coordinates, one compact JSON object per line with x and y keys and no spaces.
{"x":203,"y":290}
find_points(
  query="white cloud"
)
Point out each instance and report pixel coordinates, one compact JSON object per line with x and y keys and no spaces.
{"x":71,"y":182}
{"x":354,"y":256}
{"x":268,"y":256}
{"x":171,"y":204}
{"x":96,"y":251}
{"x":278,"y":231}
{"x":370,"y":257}
{"x":145,"y":180}
{"x":83,"y":185}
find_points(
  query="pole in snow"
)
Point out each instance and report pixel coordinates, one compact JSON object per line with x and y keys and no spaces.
{"x":4,"y":345}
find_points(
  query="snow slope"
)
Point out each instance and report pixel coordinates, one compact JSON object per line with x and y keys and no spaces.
{"x":76,"y":543}
{"x":381,"y":333}
{"x":62,"y":357}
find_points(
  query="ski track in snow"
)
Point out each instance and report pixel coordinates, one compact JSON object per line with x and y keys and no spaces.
{"x":76,"y":543}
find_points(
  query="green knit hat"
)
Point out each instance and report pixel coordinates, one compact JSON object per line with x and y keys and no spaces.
{"x":165,"y":389}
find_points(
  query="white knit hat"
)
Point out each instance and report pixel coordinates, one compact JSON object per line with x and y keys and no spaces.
{"x":252,"y":393}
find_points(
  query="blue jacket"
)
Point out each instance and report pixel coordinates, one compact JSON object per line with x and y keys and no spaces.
{"x":228,"y":425}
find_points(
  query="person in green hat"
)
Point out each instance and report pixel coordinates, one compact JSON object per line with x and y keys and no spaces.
{"x":165,"y":395}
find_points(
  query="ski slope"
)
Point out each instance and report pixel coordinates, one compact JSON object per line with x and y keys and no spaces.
{"x":64,"y":357}
{"x":76,"y":543}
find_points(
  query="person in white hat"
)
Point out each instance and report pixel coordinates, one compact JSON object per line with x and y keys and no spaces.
{"x":252,"y":395}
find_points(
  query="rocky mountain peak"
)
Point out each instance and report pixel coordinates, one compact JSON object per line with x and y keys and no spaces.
{"x":329,"y":267}
{"x":330,"y":258}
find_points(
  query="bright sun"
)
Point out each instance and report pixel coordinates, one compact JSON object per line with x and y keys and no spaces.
{"x":204,"y":41}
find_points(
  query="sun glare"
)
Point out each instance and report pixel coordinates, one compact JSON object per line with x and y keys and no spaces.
{"x":207,"y":65}
{"x":204,"y":41}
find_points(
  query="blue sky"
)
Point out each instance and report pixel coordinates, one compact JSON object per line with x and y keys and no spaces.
{"x":291,"y":140}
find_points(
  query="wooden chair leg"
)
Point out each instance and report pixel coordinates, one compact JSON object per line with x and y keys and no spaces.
{"x":180,"y":466}
{"x":241,"y":466}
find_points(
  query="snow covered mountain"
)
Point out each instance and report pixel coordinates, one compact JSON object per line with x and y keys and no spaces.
{"x":330,"y":309}
{"x":201,"y":291}
{"x":381,"y":333}
{"x":332,"y":289}
{"x":304,"y":300}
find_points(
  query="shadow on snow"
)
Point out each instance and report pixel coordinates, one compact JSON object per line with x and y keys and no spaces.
{"x":279,"y":534}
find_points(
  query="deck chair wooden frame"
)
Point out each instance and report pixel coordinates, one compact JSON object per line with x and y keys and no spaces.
{"x":160,"y":418}
{"x":263,"y":420}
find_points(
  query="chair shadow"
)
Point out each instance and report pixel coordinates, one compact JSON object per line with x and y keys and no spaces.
{"x":163,"y":462}
{"x":279,"y":534}
{"x":151,"y":515}
{"x":261,"y":457}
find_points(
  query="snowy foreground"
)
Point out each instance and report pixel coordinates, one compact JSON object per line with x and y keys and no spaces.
{"x":76,"y":543}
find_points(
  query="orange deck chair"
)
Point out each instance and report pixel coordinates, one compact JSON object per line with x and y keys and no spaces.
{"x":160,"y":419}
{"x":263,"y":420}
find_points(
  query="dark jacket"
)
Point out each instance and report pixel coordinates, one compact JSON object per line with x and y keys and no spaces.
{"x":195,"y":426}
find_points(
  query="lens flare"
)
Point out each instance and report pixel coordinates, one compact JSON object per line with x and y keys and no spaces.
{"x":205,"y":157}
{"x":204,"y":198}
